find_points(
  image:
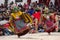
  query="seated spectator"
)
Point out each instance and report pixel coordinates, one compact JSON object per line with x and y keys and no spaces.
{"x":5,"y":16}
{"x":31,"y":11}
{"x":1,"y":17}
{"x":54,"y":18}
{"x":37,"y":16}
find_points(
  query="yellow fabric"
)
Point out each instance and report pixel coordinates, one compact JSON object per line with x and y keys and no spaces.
{"x":25,"y":18}
{"x":29,"y":18}
{"x":13,"y":16}
{"x":11,"y":28}
{"x":18,"y":14}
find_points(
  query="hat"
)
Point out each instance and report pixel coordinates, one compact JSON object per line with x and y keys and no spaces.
{"x":37,"y":9}
{"x":15,"y":8}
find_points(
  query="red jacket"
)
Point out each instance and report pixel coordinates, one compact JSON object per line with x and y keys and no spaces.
{"x":37,"y":15}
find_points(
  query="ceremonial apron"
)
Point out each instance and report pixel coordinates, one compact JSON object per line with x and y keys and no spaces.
{"x":19,"y":24}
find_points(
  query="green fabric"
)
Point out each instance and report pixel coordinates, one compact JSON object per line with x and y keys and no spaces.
{"x":16,"y":8}
{"x":36,"y":9}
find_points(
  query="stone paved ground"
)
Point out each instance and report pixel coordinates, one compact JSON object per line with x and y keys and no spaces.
{"x":37,"y":36}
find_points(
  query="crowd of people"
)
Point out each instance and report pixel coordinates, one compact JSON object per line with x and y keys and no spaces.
{"x":44,"y":18}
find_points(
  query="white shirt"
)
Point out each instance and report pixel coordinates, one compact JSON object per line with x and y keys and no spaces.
{"x":3,"y":22}
{"x":53,"y":1}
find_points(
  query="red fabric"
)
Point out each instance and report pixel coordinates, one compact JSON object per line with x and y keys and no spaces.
{"x":49,"y":23}
{"x":44,"y":19}
{"x":29,"y":1}
{"x":37,"y":15}
{"x":47,"y":2}
{"x":26,"y":6}
{"x":55,"y":26}
{"x":20,"y":30}
{"x":52,"y":17}
{"x":6,"y":25}
{"x":17,"y":19}
{"x":51,"y":30}
{"x":40,"y":1}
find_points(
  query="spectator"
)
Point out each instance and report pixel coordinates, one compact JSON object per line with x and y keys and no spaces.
{"x":37,"y":16}
{"x":1,"y":17}
{"x":31,"y":11}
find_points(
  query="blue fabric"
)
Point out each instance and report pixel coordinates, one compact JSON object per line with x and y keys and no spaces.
{"x":20,"y":24}
{"x":6,"y":31}
{"x":41,"y":30}
{"x":31,"y":11}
